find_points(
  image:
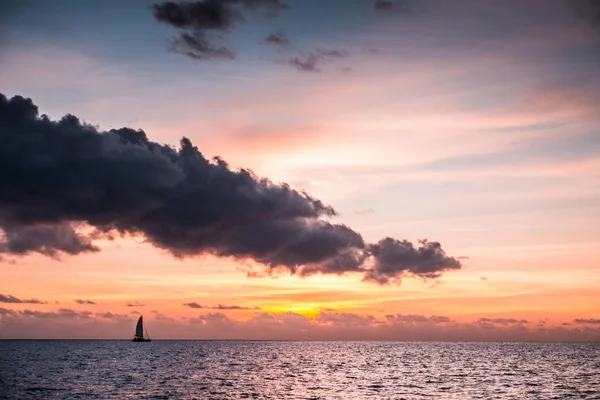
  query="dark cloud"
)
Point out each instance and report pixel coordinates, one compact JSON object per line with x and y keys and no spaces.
{"x":81,"y":301}
{"x":205,"y":23}
{"x":306,"y":63}
{"x":135,"y":304}
{"x":587,"y":321}
{"x":278,"y":38}
{"x":135,"y":312}
{"x":63,"y":173}
{"x":394,"y":259}
{"x":312,"y":61}
{"x":47,"y":240}
{"x":193,"y":304}
{"x":13,"y":299}
{"x":384,"y":5}
{"x":219,"y":307}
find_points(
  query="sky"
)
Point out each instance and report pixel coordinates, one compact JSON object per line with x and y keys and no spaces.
{"x":299,"y":169}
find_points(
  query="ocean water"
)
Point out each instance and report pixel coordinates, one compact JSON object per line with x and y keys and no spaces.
{"x":297,"y":370}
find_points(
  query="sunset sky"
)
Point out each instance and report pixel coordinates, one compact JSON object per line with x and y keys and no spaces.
{"x":472,"y":124}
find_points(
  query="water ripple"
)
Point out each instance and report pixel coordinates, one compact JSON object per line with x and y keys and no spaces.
{"x":297,"y":370}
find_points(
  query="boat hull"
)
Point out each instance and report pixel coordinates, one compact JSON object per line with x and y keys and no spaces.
{"x":141,"y":340}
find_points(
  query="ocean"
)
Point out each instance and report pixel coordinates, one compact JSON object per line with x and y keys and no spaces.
{"x":104,"y":369}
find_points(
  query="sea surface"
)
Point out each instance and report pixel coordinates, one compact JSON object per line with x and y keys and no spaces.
{"x":90,"y":369}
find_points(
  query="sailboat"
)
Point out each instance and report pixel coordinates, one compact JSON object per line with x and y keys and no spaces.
{"x":139,"y":332}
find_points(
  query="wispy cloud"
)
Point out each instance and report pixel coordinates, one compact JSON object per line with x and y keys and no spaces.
{"x":81,"y":301}
{"x":204,"y":22}
{"x":135,"y":304}
{"x":587,"y":321}
{"x":220,"y":307}
{"x":12,"y":299}
{"x":278,"y":39}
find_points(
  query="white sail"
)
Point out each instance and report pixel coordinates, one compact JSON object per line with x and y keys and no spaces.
{"x":139,"y":329}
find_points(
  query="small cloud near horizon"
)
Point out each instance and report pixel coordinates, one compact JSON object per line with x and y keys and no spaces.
{"x":135,"y":304}
{"x":193,"y":304}
{"x":12,"y":299}
{"x":81,"y":301}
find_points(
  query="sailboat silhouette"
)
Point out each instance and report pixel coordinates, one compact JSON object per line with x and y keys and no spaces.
{"x":139,"y":332}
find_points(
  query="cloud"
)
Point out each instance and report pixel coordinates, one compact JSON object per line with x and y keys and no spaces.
{"x":278,"y":39}
{"x":394,"y":259}
{"x":502,"y":321}
{"x":80,"y":301}
{"x":383,"y":5}
{"x":281,"y":326}
{"x":587,"y":321}
{"x":109,"y":315}
{"x":204,"y":23}
{"x":135,"y":304}
{"x":65,"y":173}
{"x":13,"y":299}
{"x":219,"y":307}
{"x":193,"y":304}
{"x":225,"y":307}
{"x":135,"y":312}
{"x":5,"y":312}
{"x":311,"y":62}
{"x":61,"y":313}
{"x":47,"y":240}
{"x":364,"y":211}
{"x":417,"y":318}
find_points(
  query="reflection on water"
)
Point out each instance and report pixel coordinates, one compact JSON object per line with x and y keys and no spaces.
{"x":297,"y":370}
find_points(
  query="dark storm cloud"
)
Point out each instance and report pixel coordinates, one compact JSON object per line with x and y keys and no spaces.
{"x":278,"y":38}
{"x":47,"y":240}
{"x":14,"y":300}
{"x":587,"y":321}
{"x":219,"y":307}
{"x":135,"y":304}
{"x":58,"y":173}
{"x":394,"y":258}
{"x":205,"y":23}
{"x":81,"y":301}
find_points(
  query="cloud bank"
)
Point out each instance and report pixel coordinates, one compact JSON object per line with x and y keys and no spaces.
{"x":283,"y":326}
{"x":58,"y":177}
